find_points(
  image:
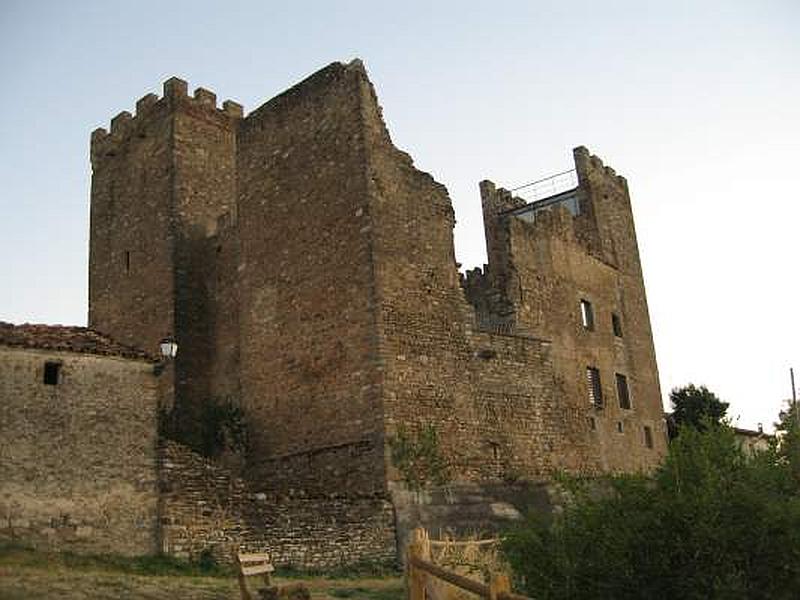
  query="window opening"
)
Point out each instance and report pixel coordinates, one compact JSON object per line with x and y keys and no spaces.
{"x":51,"y":371}
{"x":648,"y":437}
{"x":127,"y":261}
{"x":595,"y":389}
{"x":622,"y":392}
{"x":620,"y":427}
{"x":587,"y":315}
{"x":495,"y":450}
{"x":616,"y":325}
{"x":592,"y":423}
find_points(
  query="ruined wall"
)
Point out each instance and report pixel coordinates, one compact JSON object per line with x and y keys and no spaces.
{"x":206,"y":507}
{"x":550,"y":266}
{"x":78,"y":459}
{"x":308,"y":353}
{"x":490,"y":396}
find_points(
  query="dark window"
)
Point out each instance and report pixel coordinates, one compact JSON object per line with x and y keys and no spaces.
{"x":620,"y":427}
{"x":622,"y":392}
{"x":127,"y":261}
{"x":495,"y":450}
{"x":595,"y":389}
{"x":592,"y":423}
{"x":616,"y":324}
{"x":587,"y":315}
{"x":648,"y":437}
{"x":51,"y":370}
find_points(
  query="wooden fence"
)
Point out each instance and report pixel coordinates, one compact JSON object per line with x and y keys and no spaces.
{"x":420,"y":570}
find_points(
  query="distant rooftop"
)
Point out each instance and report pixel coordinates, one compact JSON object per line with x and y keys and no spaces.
{"x":65,"y":338}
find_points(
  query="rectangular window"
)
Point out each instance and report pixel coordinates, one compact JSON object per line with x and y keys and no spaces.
{"x":127,"y":261}
{"x":495,"y":450}
{"x":51,"y":370}
{"x":620,"y":427}
{"x":616,"y":325}
{"x":648,"y":437}
{"x":622,"y":392}
{"x":587,"y":315}
{"x":595,"y":389}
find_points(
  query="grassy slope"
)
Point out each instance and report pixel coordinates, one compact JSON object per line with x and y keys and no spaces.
{"x":25,"y":574}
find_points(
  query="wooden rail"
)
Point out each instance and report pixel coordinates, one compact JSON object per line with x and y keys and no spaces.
{"x":420,"y":568}
{"x":465,"y":583}
{"x":435,"y":543}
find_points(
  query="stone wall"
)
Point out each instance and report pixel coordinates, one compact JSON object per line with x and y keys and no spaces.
{"x":78,"y":463}
{"x":309,"y":368}
{"x":206,"y":507}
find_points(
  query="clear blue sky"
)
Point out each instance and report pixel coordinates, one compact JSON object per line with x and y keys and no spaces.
{"x":696,"y":103}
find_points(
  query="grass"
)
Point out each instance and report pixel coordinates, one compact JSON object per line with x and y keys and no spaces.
{"x":26,"y":573}
{"x":18,"y":555}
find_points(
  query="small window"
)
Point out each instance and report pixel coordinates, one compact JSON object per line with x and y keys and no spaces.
{"x":51,"y":370}
{"x":595,"y":388}
{"x":592,"y":423}
{"x":127,"y":261}
{"x":587,"y":315}
{"x":648,"y":437}
{"x":616,"y":325}
{"x":495,"y":450}
{"x":620,"y":427}
{"x":622,"y":392}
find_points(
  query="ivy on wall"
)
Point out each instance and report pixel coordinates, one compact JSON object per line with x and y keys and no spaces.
{"x":220,"y":426}
{"x":418,"y":457}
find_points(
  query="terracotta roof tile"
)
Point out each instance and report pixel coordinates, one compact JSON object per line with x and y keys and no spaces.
{"x":65,"y":338}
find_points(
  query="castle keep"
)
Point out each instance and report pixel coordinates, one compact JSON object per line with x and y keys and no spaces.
{"x":307,"y":271}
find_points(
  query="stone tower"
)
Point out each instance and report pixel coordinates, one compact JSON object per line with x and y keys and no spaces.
{"x":160,"y":180}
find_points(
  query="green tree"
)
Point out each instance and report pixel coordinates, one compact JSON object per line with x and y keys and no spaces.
{"x":710,"y":523}
{"x":788,"y":438}
{"x":695,"y":407}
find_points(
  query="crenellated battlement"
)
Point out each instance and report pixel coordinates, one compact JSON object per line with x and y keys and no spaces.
{"x":590,"y":166}
{"x":106,"y":142}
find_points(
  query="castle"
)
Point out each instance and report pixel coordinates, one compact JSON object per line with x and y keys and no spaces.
{"x":307,"y":271}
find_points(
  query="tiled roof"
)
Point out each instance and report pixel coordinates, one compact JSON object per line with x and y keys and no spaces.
{"x":750,"y":432}
{"x":65,"y":338}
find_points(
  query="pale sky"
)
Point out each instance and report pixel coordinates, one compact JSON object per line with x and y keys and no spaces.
{"x":696,"y":103}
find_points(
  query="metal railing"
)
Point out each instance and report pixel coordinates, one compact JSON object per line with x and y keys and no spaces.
{"x":548,"y":186}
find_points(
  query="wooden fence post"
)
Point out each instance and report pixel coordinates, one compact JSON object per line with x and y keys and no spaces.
{"x":418,"y":547}
{"x":498,"y":586}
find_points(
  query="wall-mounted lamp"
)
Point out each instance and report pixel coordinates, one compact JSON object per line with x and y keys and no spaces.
{"x":169,"y":350}
{"x":168,"y":347}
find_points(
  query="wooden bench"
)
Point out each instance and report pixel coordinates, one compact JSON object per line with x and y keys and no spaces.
{"x":253,"y":564}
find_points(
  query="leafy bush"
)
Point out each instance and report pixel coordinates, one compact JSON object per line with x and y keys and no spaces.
{"x":709,"y":524}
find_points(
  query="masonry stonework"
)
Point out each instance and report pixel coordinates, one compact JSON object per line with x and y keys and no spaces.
{"x":205,"y":506}
{"x":78,"y":469}
{"x":307,"y":271}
